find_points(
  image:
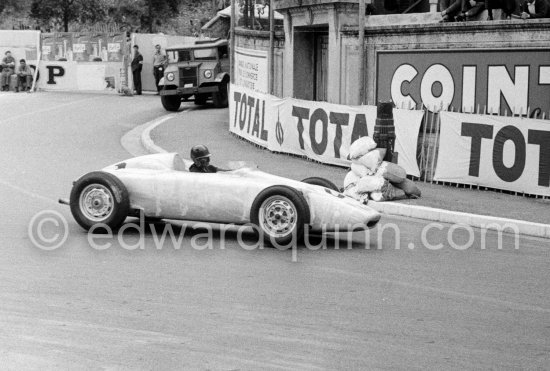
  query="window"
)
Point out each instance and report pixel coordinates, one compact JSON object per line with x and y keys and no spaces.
{"x":205,"y":53}
{"x":184,"y":56}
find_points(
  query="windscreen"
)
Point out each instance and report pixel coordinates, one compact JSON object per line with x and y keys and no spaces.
{"x":205,"y":53}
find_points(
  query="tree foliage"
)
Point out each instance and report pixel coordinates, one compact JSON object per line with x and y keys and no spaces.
{"x":133,"y":15}
{"x":64,"y":12}
{"x":145,"y":15}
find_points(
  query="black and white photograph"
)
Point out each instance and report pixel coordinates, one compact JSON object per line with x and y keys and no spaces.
{"x":275,"y":185}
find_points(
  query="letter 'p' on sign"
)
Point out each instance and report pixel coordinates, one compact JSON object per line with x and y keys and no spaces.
{"x":53,"y":72}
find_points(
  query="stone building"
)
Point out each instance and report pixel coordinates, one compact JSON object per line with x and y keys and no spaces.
{"x":316,"y":57}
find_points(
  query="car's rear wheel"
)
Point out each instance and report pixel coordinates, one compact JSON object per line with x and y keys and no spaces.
{"x":321,"y":182}
{"x":99,"y":198}
{"x":280,"y":214}
{"x":220,"y":98}
{"x":171,"y":102}
{"x":200,"y":99}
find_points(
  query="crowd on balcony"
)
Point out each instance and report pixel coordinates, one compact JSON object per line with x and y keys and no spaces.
{"x":465,"y":10}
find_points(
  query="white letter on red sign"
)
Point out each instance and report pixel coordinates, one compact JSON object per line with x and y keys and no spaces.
{"x":403,"y":73}
{"x":515,"y":93}
{"x":437,"y":73}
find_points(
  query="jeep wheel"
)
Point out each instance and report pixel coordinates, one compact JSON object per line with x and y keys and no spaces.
{"x":200,"y":99}
{"x":171,"y":102}
{"x":220,"y":98}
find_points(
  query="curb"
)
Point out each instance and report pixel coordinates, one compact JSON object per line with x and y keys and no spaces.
{"x":465,"y":219}
{"x":145,"y":136}
{"x":419,"y":212}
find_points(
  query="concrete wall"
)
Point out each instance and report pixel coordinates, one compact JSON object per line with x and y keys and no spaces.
{"x":413,"y":32}
{"x":512,"y":35}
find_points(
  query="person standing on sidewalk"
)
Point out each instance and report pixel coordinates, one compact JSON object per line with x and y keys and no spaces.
{"x":159,"y":62}
{"x":8,"y":66}
{"x":137,"y":64}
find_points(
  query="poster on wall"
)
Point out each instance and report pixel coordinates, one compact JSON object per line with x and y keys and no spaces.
{"x":500,"y":80}
{"x":317,"y":130}
{"x":21,"y":44}
{"x":83,"y":47}
{"x":251,"y":69}
{"x":509,"y":153}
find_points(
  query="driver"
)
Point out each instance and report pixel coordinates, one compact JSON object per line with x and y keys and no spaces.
{"x":201,"y":160}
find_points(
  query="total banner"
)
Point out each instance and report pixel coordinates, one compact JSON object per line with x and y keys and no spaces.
{"x":508,"y":153}
{"x":318,"y":130}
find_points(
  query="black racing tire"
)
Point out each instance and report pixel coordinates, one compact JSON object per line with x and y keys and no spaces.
{"x":321,"y":182}
{"x":280,"y":215}
{"x":220,"y":98}
{"x":171,"y":102}
{"x":200,"y":99}
{"x":99,"y":198}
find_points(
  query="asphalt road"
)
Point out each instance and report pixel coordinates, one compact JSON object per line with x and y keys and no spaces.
{"x":410,"y":297}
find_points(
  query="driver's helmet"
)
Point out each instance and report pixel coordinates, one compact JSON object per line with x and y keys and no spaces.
{"x":199,"y":151}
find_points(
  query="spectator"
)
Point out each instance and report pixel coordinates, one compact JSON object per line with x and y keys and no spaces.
{"x":137,"y":64}
{"x":450,"y":9}
{"x":8,"y":66}
{"x":24,"y":76}
{"x":470,"y":8}
{"x":535,"y":9}
{"x":507,"y":6}
{"x":159,"y":62}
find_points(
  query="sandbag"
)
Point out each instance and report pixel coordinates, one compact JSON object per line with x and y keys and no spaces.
{"x":351,"y":191}
{"x":392,"y":172}
{"x":387,"y":193}
{"x":370,"y":183}
{"x":361,"y":146}
{"x":351,"y":179}
{"x":373,"y":159}
{"x":359,"y":170}
{"x":410,"y":189}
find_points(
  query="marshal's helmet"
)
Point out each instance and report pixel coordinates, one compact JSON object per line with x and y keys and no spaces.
{"x":199,"y":151}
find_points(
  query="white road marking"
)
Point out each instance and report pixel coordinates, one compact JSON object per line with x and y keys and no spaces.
{"x":48,"y":109}
{"x":26,"y":192}
{"x":487,"y":299}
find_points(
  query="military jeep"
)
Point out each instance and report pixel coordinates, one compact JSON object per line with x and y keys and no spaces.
{"x":199,"y":70}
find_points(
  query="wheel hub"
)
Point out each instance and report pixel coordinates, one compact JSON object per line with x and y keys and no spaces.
{"x":279,"y":216}
{"x":96,"y":202}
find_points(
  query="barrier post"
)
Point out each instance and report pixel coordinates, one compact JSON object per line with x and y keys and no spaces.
{"x":384,"y":130}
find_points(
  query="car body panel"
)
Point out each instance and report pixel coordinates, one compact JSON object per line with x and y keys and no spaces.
{"x":161,"y":186}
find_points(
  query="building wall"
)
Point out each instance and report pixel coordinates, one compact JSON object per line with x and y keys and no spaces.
{"x":415,"y":32}
{"x":499,"y":35}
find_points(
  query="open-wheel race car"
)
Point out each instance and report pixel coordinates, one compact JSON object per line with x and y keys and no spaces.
{"x":160,"y":187}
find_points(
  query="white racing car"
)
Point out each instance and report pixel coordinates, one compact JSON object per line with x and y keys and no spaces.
{"x":159,"y":186}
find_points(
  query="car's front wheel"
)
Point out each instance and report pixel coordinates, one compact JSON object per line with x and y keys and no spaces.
{"x":171,"y":102}
{"x":99,"y":198}
{"x":280,"y":214}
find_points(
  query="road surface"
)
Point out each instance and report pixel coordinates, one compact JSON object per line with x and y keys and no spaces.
{"x":407,"y":297}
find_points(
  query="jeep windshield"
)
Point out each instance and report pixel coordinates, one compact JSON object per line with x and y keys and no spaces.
{"x":205,"y":54}
{"x":191,"y":55}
